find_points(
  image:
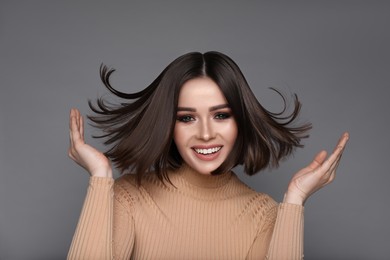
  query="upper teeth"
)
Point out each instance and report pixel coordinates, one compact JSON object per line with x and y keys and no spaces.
{"x":208,"y":151}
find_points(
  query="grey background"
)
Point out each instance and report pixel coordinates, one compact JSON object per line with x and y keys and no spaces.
{"x":334,"y":54}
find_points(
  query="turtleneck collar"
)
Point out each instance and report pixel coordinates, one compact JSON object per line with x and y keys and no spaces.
{"x":202,"y":181}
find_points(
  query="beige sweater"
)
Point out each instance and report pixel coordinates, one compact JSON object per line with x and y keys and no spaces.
{"x":202,"y":217}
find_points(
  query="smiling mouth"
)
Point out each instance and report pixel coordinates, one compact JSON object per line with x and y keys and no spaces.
{"x":207,"y":151}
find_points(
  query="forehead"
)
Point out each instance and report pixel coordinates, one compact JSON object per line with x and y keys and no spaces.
{"x":201,"y":92}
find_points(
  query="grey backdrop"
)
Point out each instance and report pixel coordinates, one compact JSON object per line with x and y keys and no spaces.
{"x":334,"y":54}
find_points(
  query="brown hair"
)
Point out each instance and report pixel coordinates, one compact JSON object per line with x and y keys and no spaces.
{"x":140,"y":130}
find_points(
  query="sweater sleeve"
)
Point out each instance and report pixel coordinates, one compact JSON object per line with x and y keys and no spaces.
{"x":103,"y":221}
{"x":281,"y":234}
{"x":287,"y":236}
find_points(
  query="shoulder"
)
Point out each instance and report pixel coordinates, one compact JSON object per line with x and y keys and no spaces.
{"x":259,"y":203}
{"x":244,"y":190}
{"x":126,"y":189}
{"x":126,"y":182}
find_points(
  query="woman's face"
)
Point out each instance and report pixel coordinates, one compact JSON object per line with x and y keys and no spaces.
{"x":205,"y":129}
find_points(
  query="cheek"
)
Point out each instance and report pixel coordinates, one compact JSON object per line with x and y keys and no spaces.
{"x":231,"y":132}
{"x":178,"y":136}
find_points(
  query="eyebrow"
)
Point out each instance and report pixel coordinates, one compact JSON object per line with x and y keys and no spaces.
{"x":213,"y":108}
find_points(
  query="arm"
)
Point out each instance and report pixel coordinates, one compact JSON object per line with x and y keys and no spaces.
{"x":281,"y":233}
{"x":286,"y":235}
{"x":104,"y":217}
{"x":105,"y":229}
{"x":93,"y":236}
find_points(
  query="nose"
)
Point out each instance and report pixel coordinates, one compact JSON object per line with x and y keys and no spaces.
{"x":206,"y":130}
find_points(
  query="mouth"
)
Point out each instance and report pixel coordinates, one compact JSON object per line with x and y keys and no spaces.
{"x":207,"y":151}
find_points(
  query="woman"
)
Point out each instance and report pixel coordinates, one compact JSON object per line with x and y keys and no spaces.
{"x":180,"y":137}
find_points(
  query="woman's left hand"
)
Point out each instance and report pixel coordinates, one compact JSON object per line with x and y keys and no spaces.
{"x":319,"y":173}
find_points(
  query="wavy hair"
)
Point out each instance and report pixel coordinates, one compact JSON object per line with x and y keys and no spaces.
{"x":140,"y":129}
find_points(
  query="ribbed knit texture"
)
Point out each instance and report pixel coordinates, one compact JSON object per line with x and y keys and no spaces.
{"x":200,"y":217}
{"x":92,"y":239}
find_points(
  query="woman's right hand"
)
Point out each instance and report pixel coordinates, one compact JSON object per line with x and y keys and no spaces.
{"x":94,"y":161}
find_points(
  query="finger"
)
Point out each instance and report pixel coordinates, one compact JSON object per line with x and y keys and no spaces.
{"x":70,"y":139}
{"x":333,"y":159}
{"x":78,"y":119}
{"x":330,"y":174}
{"x":336,"y":155}
{"x":334,"y":166}
{"x":74,"y":130}
{"x":81,"y":126}
{"x":342,"y":142}
{"x":71,"y":115}
{"x":72,"y":119}
{"x":72,"y":151}
{"x":70,"y":125}
{"x":74,"y":135}
{"x":318,"y":160}
{"x":330,"y":166}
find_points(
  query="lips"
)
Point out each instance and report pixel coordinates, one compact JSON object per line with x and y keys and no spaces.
{"x":206,"y":151}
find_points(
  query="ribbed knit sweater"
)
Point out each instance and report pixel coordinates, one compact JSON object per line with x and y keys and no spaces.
{"x":200,"y":217}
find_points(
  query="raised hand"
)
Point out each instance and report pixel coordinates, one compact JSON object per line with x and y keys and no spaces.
{"x":94,"y":161}
{"x":319,"y":173}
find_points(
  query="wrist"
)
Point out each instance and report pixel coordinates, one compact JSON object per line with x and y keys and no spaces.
{"x":107,"y":173}
{"x":292,"y":198}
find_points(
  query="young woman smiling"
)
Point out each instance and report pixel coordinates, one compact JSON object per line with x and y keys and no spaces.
{"x":205,"y":129}
{"x":176,"y":143}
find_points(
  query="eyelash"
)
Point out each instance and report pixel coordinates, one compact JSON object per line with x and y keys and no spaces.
{"x":185,"y":118}
{"x":222,"y":116}
{"x":189,"y":118}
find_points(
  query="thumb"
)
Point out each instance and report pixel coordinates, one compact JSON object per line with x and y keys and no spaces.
{"x":318,"y":160}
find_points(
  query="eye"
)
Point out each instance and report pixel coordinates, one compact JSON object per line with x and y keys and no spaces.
{"x":222,"y":116}
{"x":185,"y":118}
